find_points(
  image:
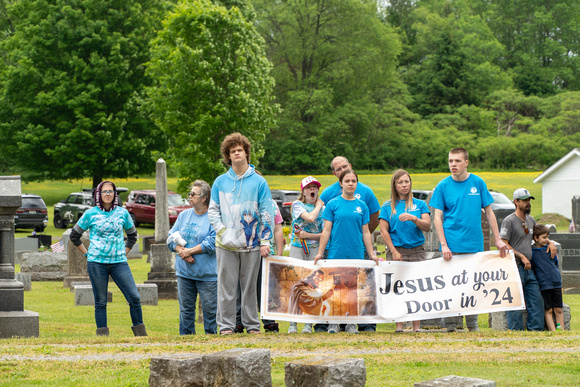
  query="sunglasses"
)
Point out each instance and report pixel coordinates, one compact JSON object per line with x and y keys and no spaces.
{"x":525,"y":226}
{"x":192,"y":194}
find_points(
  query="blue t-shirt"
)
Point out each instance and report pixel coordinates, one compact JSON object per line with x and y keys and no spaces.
{"x":315,"y":227}
{"x":196,"y":230}
{"x":405,"y":234}
{"x":347,"y":217}
{"x":363,"y":192}
{"x":461,"y":203}
{"x":106,"y":234}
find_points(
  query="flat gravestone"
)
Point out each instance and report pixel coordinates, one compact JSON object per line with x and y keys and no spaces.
{"x":326,"y":371}
{"x":84,"y":295}
{"x":78,"y":283}
{"x":148,"y":293}
{"x":456,"y":381}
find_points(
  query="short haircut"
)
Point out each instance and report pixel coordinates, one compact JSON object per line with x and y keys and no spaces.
{"x":232,"y":140}
{"x":540,"y":229}
{"x":332,"y":162}
{"x":204,"y":190}
{"x":346,"y":172}
{"x":462,"y":151}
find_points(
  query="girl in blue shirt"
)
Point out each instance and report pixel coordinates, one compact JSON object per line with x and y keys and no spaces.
{"x":346,"y":226}
{"x":402,"y":221}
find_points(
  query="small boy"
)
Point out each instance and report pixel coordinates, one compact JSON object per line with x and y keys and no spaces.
{"x":548,"y":276}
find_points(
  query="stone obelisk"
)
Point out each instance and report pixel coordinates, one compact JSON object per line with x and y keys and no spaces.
{"x":162,"y":271}
{"x":14,"y":320}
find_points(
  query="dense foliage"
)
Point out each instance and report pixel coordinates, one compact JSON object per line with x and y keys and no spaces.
{"x":211,"y":79}
{"x":72,"y":74}
{"x":387,"y":84}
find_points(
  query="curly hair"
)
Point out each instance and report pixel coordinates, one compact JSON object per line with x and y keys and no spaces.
{"x":232,"y":140}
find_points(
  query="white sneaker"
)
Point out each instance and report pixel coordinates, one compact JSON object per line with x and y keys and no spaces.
{"x":333,"y":328}
{"x":307,"y":328}
{"x":351,"y":328}
{"x":293,"y":328}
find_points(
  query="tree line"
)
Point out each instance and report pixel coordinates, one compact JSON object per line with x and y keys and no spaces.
{"x":104,"y":87}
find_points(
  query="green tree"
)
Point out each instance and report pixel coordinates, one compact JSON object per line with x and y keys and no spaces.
{"x":541,"y":41}
{"x":455,"y":62}
{"x":212,"y":79}
{"x":335,"y":70}
{"x":74,"y":71}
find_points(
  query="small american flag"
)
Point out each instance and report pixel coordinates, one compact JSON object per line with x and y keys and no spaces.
{"x":57,"y":247}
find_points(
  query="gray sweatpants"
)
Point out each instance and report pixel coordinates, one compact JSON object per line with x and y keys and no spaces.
{"x":297,"y":252}
{"x":233,"y":268}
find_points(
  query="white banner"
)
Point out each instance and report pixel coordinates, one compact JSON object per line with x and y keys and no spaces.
{"x":357,"y":291}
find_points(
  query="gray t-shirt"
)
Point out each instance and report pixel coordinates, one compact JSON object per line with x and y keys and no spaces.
{"x":513,"y":231}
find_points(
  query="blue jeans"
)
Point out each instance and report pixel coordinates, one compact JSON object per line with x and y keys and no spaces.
{"x":121,"y":274}
{"x":534,"y":304}
{"x":187,"y":290}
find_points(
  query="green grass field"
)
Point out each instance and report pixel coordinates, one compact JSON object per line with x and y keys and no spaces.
{"x":68,"y":353}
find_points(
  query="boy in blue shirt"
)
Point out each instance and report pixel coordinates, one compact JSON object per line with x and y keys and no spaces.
{"x":546,"y":271}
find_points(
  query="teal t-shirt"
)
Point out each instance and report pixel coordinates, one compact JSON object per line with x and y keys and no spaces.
{"x":106,"y":234}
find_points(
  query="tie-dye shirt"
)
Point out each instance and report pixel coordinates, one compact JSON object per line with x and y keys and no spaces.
{"x":106,"y":234}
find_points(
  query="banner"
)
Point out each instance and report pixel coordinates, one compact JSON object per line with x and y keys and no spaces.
{"x":359,"y":291}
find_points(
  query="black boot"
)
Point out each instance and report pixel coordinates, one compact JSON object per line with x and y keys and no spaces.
{"x":103,"y":331}
{"x":139,"y":330}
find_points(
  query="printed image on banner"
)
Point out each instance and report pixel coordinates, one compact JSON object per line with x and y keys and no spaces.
{"x":359,"y":291}
{"x":319,"y":293}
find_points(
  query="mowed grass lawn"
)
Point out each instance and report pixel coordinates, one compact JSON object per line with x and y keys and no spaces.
{"x":68,"y":353}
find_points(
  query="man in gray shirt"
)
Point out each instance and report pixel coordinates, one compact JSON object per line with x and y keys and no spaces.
{"x":516,"y":232}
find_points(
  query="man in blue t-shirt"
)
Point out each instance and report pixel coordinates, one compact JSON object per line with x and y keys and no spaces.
{"x":363,"y":192}
{"x":458,"y":200}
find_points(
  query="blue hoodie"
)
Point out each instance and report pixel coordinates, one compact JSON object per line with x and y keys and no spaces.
{"x":241,"y":211}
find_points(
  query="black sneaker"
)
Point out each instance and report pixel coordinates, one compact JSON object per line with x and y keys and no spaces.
{"x":272,"y":327}
{"x":239,"y":329}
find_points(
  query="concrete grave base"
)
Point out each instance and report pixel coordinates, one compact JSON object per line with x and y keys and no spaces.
{"x":176,"y":371}
{"x":234,"y":367}
{"x":25,"y":279}
{"x":44,"y":265}
{"x":456,"y":381}
{"x":498,"y":320}
{"x":19,"y":324}
{"x":325,"y":372}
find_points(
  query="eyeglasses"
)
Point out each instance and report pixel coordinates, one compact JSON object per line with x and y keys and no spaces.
{"x":107,"y":192}
{"x":525,"y":226}
{"x":192,"y":194}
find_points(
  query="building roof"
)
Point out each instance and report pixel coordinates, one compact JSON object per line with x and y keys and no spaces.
{"x":573,"y":153}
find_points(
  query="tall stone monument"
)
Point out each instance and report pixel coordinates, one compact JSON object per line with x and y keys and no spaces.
{"x":77,"y":262}
{"x":162,"y":271}
{"x":14,"y":320}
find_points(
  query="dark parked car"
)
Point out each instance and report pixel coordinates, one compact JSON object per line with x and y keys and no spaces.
{"x":141,"y":206}
{"x":502,"y":206}
{"x":284,"y":199}
{"x":32,"y":214}
{"x":70,"y":210}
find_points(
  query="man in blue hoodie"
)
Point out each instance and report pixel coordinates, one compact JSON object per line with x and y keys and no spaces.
{"x":242,"y":215}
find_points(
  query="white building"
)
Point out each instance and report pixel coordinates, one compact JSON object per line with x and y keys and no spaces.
{"x":560,"y":183}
